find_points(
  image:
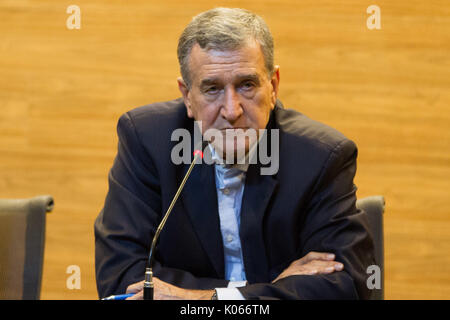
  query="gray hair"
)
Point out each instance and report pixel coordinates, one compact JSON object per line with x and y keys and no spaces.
{"x":224,"y":29}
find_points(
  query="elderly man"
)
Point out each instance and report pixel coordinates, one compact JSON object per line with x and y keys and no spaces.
{"x":234,"y":233}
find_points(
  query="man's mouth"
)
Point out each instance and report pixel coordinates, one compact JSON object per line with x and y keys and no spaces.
{"x":237,"y":128}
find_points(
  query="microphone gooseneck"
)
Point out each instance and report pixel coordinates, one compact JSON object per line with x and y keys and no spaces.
{"x":148,"y":279}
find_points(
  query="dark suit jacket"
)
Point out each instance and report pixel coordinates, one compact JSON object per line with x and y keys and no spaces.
{"x":309,"y":205}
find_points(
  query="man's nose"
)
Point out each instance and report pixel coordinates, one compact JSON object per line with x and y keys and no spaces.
{"x":232,"y":108}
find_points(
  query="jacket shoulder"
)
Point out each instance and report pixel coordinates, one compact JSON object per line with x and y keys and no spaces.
{"x":307,"y":133}
{"x":156,"y":121}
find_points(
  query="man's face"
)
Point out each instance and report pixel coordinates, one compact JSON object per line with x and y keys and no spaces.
{"x":230,"y":90}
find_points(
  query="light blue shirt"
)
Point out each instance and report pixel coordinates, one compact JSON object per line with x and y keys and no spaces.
{"x":230,"y":182}
{"x":230,"y":188}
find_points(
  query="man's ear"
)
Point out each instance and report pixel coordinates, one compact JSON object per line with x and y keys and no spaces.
{"x":275,"y":81}
{"x":186,"y":97}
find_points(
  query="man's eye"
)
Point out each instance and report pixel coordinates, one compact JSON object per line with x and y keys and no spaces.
{"x":211,"y":90}
{"x":248,"y":85}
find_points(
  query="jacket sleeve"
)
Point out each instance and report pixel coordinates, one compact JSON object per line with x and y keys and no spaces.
{"x":125,"y":226}
{"x":332,"y":224}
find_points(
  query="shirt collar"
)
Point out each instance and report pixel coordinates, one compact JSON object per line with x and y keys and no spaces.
{"x":242,"y":167}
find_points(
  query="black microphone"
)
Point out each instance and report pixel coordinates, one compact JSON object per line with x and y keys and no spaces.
{"x":148,"y":280}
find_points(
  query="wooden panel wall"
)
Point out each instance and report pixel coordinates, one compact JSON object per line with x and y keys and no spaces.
{"x":62,"y":91}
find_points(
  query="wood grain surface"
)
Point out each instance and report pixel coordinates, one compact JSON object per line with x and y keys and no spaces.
{"x":62,"y":91}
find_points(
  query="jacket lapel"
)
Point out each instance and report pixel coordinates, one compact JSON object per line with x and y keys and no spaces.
{"x":257,"y":194}
{"x":200,"y":200}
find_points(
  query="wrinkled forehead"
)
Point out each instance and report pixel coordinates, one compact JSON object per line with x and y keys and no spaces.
{"x":211,"y":63}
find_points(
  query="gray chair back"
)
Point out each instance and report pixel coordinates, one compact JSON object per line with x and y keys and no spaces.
{"x":22,"y":242}
{"x":374,"y":208}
